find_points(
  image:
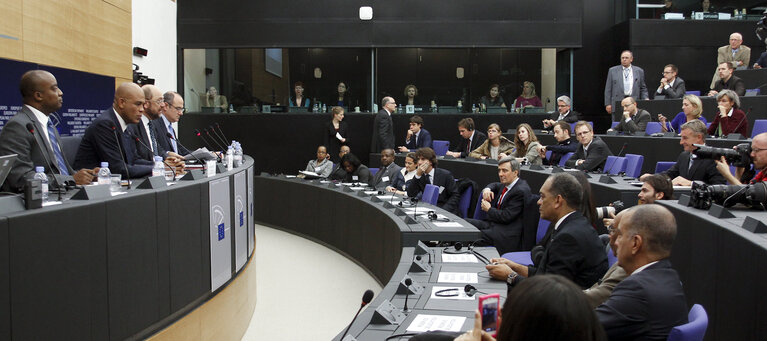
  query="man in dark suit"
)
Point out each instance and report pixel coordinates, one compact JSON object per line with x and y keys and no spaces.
{"x":388,"y":170}
{"x":671,"y":86}
{"x":565,"y":144}
{"x":383,"y":127}
{"x":428,"y":173}
{"x":147,"y":145}
{"x":728,"y":81}
{"x":171,"y":113}
{"x":471,"y":139}
{"x":504,"y":202}
{"x":417,"y":137}
{"x":634,"y":119}
{"x":624,"y":80}
{"x":688,"y":168}
{"x":592,"y":151}
{"x":564,"y":113}
{"x":105,"y":139}
{"x":650,"y":301}
{"x":42,"y":96}
{"x":573,"y":250}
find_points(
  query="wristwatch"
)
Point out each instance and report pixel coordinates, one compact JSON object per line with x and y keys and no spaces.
{"x":511,"y":280}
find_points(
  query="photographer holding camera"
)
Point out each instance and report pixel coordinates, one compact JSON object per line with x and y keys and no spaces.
{"x":759,"y":159}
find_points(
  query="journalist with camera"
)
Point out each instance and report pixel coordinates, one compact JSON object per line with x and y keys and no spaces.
{"x":741,"y":156}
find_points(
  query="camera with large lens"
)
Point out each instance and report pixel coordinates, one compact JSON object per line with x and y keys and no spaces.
{"x":615,"y":207}
{"x":703,"y":195}
{"x":738,"y":157}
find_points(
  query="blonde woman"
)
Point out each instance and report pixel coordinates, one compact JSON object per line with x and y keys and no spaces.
{"x":528,"y":98}
{"x":692,"y":109}
{"x":527,"y":145}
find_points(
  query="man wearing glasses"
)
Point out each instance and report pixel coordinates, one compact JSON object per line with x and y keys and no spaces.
{"x":144,"y":129}
{"x":592,"y":152}
{"x":670,"y":86}
{"x":759,"y":159}
{"x":171,"y":113}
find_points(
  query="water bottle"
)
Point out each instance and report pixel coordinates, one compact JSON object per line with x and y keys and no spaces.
{"x":433,"y":106}
{"x":473,"y":108}
{"x":229,"y":158}
{"x":315,"y":109}
{"x":159,"y":167}
{"x":399,"y":108}
{"x":231,"y":109}
{"x":324,"y":108}
{"x":105,"y":176}
{"x":237,"y":155}
{"x":460,"y":106}
{"x":40,"y":175}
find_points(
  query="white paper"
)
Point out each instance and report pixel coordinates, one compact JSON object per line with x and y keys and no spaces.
{"x":441,"y":188}
{"x":419,"y":210}
{"x":457,"y":290}
{"x":114,"y":194}
{"x":355,"y":178}
{"x":304,"y":172}
{"x":457,"y":277}
{"x":447,"y":224}
{"x":290,"y":176}
{"x":339,"y":137}
{"x":51,"y":203}
{"x":424,"y":323}
{"x":357,"y":188}
{"x":347,"y":183}
{"x":459,"y":258}
{"x":392,"y":198}
{"x":370,"y":192}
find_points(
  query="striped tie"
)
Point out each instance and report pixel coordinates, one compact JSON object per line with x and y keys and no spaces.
{"x":56,"y":150}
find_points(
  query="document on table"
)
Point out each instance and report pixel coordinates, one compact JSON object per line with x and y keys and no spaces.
{"x":418,"y":210}
{"x":450,"y":293}
{"x":357,"y":188}
{"x":424,"y":323}
{"x":392,"y":198}
{"x":459,"y":258}
{"x":447,"y":224}
{"x":457,"y":277}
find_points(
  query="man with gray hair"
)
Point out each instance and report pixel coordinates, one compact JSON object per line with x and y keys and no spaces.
{"x":503,"y":203}
{"x":650,"y":301}
{"x":564,"y":113}
{"x":171,"y":113}
{"x":735,"y":53}
{"x":574,"y":249}
{"x":383,"y":128}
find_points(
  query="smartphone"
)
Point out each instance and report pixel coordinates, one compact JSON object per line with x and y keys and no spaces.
{"x":488,"y":307}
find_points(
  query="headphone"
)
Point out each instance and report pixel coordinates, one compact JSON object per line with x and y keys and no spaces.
{"x":434,"y":217}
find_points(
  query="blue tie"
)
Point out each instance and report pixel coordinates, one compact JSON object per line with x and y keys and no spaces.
{"x":153,"y":138}
{"x":56,"y":150}
{"x":173,"y":140}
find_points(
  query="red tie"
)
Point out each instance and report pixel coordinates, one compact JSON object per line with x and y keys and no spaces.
{"x":500,"y":199}
{"x":468,"y":147}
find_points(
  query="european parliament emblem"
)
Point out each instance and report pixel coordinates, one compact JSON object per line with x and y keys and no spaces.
{"x":221,"y":231}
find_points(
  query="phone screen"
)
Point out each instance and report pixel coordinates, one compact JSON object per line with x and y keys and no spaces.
{"x":489,"y":314}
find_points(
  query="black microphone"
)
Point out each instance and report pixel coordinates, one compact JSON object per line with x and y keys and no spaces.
{"x":623,"y":148}
{"x":207,"y":144}
{"x":741,"y":120}
{"x":415,"y":207}
{"x":220,"y":130}
{"x":214,"y":140}
{"x":408,"y":282}
{"x":218,"y":137}
{"x":122,"y":157}
{"x":31,"y":129}
{"x":366,"y":298}
{"x":150,"y":150}
{"x":170,"y":136}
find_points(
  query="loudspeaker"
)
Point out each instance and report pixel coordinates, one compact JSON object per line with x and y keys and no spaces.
{"x":606,"y":179}
{"x":196,"y":174}
{"x":153,"y":182}
{"x":750,"y":224}
{"x":720,"y":212}
{"x":414,"y":289}
{"x":387,"y":313}
{"x":93,"y":192}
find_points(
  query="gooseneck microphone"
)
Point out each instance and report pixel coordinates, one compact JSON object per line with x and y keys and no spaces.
{"x":31,"y":128}
{"x":122,"y":157}
{"x":625,"y":144}
{"x":741,"y":121}
{"x":200,"y":135}
{"x":170,"y":136}
{"x":221,"y":131}
{"x":218,"y":137}
{"x":366,"y":298}
{"x":129,"y":133}
{"x":214,"y":140}
{"x":408,"y":282}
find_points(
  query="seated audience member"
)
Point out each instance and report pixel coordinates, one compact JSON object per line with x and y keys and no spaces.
{"x":692,"y":109}
{"x":564,"y":113}
{"x":705,"y":6}
{"x":547,"y":307}
{"x":417,"y":137}
{"x":565,"y":144}
{"x":41,"y":96}
{"x":322,"y":165}
{"x":759,"y":159}
{"x":99,"y":143}
{"x":654,"y":187}
{"x":688,"y":168}
{"x":574,"y":250}
{"x":528,"y":98}
{"x":299,"y":100}
{"x":592,"y":152}
{"x":353,"y":170}
{"x":527,"y":145}
{"x":471,"y":139}
{"x":495,"y":147}
{"x":342,"y":97}
{"x":671,"y":86}
{"x":336,"y":133}
{"x":762,"y":61}
{"x":388,"y":170}
{"x":213,"y":99}
{"x":338,"y":172}
{"x":734,"y":53}
{"x":728,"y":81}
{"x":730,"y":119}
{"x":428,"y":173}
{"x":634,"y":119}
{"x":403,"y":177}
{"x":410,"y":92}
{"x":493,"y":99}
{"x":504,"y":202}
{"x":173,"y":110}
{"x":650,"y":301}
{"x":600,"y":291}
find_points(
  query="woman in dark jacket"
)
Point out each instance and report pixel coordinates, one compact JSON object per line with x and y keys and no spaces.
{"x":336,"y":134}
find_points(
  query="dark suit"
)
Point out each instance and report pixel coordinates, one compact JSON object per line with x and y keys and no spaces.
{"x":141,"y":149}
{"x":383,"y":132}
{"x":465,"y":147}
{"x":331,"y":142}
{"x":702,"y":170}
{"x":645,"y":305}
{"x":574,"y":251}
{"x":734,"y":83}
{"x":675,"y":91}
{"x":390,"y":172}
{"x":99,"y":145}
{"x":597,"y":155}
{"x":503,"y":227}
{"x":637,"y":123}
{"x":560,"y":149}
{"x":16,"y":139}
{"x":571,"y":117}
{"x":362,"y":175}
{"x":448,"y":199}
{"x":161,"y":129}
{"x":614,"y":86}
{"x":424,"y":140}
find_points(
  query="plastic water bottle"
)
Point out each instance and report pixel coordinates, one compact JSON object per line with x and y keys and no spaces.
{"x":159,"y":167}
{"x":237,"y":154}
{"x":399,"y":108}
{"x":473,"y":108}
{"x":324,"y":108}
{"x":40,"y":175}
{"x":315,"y":109}
{"x":229,"y":158}
{"x":460,"y":106}
{"x":105,"y":176}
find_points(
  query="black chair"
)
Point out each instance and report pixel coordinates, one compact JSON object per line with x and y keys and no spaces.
{"x":69,"y":145}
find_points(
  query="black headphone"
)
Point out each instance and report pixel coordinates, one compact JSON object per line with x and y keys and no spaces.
{"x":434,"y":217}
{"x":456,"y":249}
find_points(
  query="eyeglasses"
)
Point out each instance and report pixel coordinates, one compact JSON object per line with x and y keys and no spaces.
{"x":180,"y":109}
{"x":667,"y":72}
{"x":756,"y":150}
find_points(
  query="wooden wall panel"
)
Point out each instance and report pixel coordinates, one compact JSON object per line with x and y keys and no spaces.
{"x":10,"y":29}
